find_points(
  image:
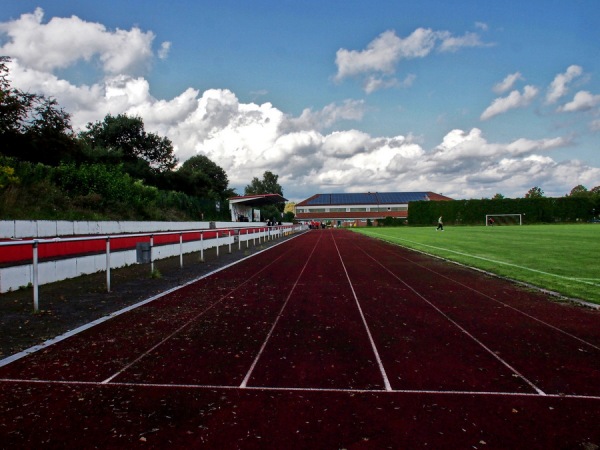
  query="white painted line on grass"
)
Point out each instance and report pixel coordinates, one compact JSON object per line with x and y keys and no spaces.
{"x":386,"y":381}
{"x":469,"y":255}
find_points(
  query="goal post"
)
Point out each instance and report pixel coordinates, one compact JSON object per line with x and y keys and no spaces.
{"x":503,"y":219}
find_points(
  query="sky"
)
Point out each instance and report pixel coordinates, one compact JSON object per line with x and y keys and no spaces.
{"x":467,"y":99}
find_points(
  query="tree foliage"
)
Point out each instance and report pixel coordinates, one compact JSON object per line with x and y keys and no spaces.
{"x":534,"y":192}
{"x":204,"y":178}
{"x":123,"y":138}
{"x":114,"y":163}
{"x":33,"y":127}
{"x":14,"y":104}
{"x":268,"y":185}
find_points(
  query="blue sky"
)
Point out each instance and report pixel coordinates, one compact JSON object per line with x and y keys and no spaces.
{"x":468,"y":98}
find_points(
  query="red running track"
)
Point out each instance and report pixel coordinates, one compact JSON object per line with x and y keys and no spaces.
{"x":329,"y":340}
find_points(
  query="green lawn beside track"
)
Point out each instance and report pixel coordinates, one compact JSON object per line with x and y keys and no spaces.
{"x":561,"y":258}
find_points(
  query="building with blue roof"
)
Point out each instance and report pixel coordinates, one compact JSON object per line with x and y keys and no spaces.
{"x":355,"y":209}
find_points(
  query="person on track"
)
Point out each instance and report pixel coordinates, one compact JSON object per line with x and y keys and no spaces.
{"x":440,"y":224}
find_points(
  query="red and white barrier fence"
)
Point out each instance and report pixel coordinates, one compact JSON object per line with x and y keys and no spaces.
{"x":34,"y":262}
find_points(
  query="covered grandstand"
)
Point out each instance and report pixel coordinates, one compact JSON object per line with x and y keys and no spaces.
{"x":356,"y":209}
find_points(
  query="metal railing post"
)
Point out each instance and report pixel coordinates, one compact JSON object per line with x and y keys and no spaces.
{"x":201,"y":247}
{"x":181,"y":250}
{"x":35,"y":277}
{"x":107,"y":264}
{"x":229,"y":238}
{"x":151,"y":256}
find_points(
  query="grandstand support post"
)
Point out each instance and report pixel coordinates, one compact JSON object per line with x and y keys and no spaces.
{"x":217,"y":243}
{"x":201,"y":247}
{"x":239,"y":240}
{"x":229,"y":239}
{"x":107,"y":263}
{"x":181,"y":250}
{"x":254,"y":237}
{"x":35,"y":277}
{"x":247,"y":240}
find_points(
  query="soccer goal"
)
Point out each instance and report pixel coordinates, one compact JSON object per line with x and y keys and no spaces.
{"x":503,"y":219}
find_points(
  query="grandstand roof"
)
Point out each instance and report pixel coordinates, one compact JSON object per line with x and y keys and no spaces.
{"x":370,"y":198}
{"x":258,"y":200}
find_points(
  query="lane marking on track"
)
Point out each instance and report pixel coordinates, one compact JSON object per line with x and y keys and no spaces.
{"x":189,"y":322}
{"x":244,"y":383}
{"x":579,"y":280}
{"x":386,"y":381}
{"x":62,"y":337}
{"x":460,"y":327}
{"x":483,"y":294}
{"x":298,"y":389}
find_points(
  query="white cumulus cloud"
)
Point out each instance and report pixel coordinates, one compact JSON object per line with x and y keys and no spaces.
{"x":583,"y":101}
{"x":312,"y":152}
{"x":508,"y":83}
{"x":382,"y":54}
{"x":514,"y":100}
{"x":559,"y":86}
{"x":63,"y":41}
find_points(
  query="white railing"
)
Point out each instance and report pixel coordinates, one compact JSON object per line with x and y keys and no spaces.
{"x":35,"y":272}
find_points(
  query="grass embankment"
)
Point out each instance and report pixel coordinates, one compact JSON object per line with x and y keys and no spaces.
{"x":560,"y":258}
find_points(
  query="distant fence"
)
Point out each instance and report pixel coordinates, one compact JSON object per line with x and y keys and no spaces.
{"x":35,"y":262}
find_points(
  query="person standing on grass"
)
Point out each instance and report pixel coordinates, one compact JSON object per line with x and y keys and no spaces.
{"x":440,"y":224}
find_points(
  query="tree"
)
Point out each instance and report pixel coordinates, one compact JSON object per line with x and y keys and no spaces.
{"x":50,"y":133}
{"x":204,"y":178}
{"x":535,"y":192}
{"x":123,"y":138}
{"x":288,"y":212}
{"x":33,"y":127}
{"x":268,"y":185}
{"x":498,"y":196}
{"x":14,"y":104}
{"x":579,"y":191}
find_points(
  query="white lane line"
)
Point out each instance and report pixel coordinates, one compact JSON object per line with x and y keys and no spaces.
{"x":189,"y":322}
{"x":386,"y":381}
{"x":579,"y":280}
{"x":298,"y":389}
{"x":555,"y":328}
{"x":62,"y":337}
{"x":460,"y":327}
{"x":264,"y":344}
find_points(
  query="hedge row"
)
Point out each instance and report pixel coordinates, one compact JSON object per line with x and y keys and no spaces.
{"x":534,"y":210}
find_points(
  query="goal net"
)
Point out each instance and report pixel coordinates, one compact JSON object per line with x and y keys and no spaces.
{"x":503,"y":219}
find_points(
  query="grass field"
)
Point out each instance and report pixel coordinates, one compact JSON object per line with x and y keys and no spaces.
{"x":560,"y":258}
